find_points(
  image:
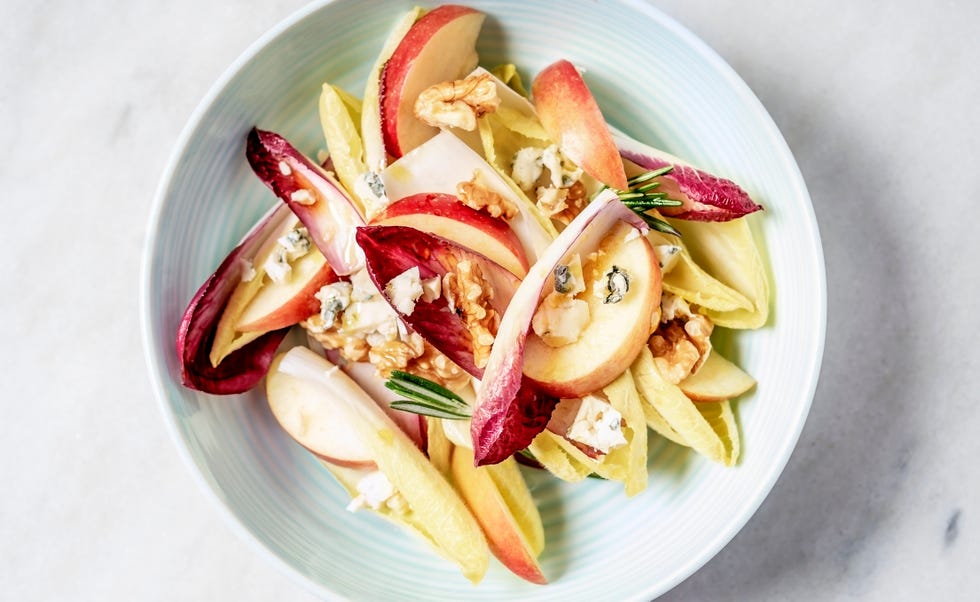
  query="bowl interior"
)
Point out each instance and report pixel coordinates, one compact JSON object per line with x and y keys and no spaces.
{"x":654,"y":80}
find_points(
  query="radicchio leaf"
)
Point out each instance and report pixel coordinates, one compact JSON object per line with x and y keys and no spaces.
{"x":244,"y":367}
{"x":391,"y":250}
{"x":317,"y":199}
{"x":705,"y":197}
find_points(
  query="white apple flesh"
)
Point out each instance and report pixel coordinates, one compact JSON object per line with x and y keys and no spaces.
{"x":281,"y":304}
{"x":312,"y":400}
{"x":615,"y":332}
{"x":445,"y":161}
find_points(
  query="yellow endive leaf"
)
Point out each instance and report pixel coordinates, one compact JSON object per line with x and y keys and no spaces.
{"x":439,"y":448}
{"x":548,"y":451}
{"x":507,"y":73}
{"x":717,"y":380}
{"x":721,"y":418}
{"x":632,"y":457}
{"x":728,"y":252}
{"x":677,"y":410}
{"x":339,"y":119}
{"x":654,"y":420}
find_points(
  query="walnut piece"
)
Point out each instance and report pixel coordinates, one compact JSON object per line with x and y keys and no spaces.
{"x":476,"y":195}
{"x":458,"y":103}
{"x":562,"y":204}
{"x":405,"y":351}
{"x":682,"y":342}
{"x":469,"y":293}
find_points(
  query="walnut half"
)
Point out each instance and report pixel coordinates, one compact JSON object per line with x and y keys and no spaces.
{"x":682,"y":342}
{"x":459,"y":103}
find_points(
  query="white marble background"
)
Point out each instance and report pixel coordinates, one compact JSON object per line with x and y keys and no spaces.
{"x":881,"y":500}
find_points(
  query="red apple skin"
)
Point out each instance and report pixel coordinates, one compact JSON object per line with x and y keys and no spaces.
{"x":444,"y":215}
{"x":297,"y":308}
{"x":490,"y":510}
{"x":397,"y":99}
{"x":571,"y":116}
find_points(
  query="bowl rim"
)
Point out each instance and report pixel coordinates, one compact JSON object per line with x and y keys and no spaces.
{"x":154,"y":350}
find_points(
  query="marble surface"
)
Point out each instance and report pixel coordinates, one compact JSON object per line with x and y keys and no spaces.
{"x":880,"y":501}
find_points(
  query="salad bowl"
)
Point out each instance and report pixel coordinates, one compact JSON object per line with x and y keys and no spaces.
{"x":600,"y":544}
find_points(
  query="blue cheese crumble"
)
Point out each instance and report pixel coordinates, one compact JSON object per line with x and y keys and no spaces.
{"x":598,"y":425}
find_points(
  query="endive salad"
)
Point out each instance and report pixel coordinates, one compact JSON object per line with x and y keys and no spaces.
{"x":487,"y":276}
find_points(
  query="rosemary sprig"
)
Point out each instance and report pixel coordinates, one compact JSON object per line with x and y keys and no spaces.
{"x":422,"y":396}
{"x":642,"y":195}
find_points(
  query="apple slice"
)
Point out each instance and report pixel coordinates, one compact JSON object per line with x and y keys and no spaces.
{"x":244,"y":367}
{"x":506,"y":416}
{"x":332,"y":402}
{"x":300,"y":400}
{"x":316,"y":198}
{"x":572,"y":118}
{"x":705,"y":197}
{"x":497,"y":515}
{"x":375,"y":157}
{"x":391,"y":250}
{"x":445,"y":216}
{"x":441,"y":164}
{"x":366,"y":377}
{"x":717,"y":380}
{"x":615,"y":332}
{"x":441,"y":46}
{"x":281,"y":304}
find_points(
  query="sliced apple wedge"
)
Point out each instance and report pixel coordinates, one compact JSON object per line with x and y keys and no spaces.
{"x":717,"y":380}
{"x":302,"y":404}
{"x":616,"y":331}
{"x":227,"y":337}
{"x":317,"y":199}
{"x":440,"y":46}
{"x":391,"y":250}
{"x":375,"y":156}
{"x":441,"y":164}
{"x":443,"y":215}
{"x":281,"y":304}
{"x":498,"y":515}
{"x":572,"y":118}
{"x":332,"y":401}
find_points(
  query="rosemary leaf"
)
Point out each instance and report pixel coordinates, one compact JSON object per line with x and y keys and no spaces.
{"x":659,"y":225}
{"x":422,"y":396}
{"x":643,"y":196}
{"x":435,"y":411}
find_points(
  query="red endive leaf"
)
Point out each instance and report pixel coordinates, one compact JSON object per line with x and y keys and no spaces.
{"x":317,"y":199}
{"x":390,"y":250}
{"x":705,"y":197}
{"x":243,"y":368}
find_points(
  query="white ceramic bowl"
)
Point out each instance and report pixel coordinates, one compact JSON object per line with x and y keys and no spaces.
{"x":653,"y":79}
